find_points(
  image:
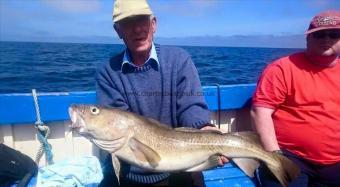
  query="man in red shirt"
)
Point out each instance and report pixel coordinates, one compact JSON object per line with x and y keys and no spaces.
{"x":296,"y":106}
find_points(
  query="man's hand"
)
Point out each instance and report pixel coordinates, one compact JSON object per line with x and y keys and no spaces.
{"x":213,"y":128}
{"x":223,"y":160}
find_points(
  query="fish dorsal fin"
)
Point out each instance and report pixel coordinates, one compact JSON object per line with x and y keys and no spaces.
{"x":247,"y":165}
{"x":109,"y":145}
{"x":116,"y":166}
{"x":249,"y":135}
{"x":144,"y":153}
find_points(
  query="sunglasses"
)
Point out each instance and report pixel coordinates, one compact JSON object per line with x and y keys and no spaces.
{"x":322,"y":35}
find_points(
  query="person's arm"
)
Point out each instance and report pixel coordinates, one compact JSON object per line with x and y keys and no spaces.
{"x":108,"y":95}
{"x":264,"y":126}
{"x":192,"y":110}
{"x":270,"y":93}
{"x":212,"y":127}
{"x":107,"y":91}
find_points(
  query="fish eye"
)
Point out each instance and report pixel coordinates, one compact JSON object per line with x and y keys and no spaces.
{"x":94,"y":110}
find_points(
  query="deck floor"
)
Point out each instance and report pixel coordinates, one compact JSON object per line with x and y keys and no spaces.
{"x":228,"y":175}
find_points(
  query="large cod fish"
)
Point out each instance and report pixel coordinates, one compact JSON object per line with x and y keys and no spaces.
{"x":151,"y":145}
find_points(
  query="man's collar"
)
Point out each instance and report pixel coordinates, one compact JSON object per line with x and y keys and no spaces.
{"x":152,"y":58}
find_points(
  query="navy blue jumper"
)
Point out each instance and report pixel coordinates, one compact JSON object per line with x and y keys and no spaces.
{"x":166,"y":88}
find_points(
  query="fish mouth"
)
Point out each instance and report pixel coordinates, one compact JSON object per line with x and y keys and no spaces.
{"x":77,"y":122}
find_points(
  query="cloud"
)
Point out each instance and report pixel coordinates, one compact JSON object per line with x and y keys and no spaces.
{"x":74,"y":6}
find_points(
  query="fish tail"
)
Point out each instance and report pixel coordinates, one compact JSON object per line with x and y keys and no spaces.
{"x":284,"y":170}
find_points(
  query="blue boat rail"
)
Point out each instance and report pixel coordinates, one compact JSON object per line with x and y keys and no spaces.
{"x":18,"y":110}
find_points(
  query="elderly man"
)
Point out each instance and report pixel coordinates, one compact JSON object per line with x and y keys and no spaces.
{"x":154,"y":81}
{"x":296,"y":106}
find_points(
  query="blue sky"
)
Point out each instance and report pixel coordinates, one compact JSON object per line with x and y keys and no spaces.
{"x":90,"y":20}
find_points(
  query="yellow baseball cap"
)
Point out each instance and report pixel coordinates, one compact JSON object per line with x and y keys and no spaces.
{"x":127,"y":8}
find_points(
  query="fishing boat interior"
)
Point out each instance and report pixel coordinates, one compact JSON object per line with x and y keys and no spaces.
{"x":37,"y":125}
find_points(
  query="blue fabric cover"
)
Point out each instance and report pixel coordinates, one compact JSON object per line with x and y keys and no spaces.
{"x":82,"y":171}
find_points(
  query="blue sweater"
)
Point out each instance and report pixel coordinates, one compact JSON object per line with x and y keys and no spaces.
{"x":168,"y":91}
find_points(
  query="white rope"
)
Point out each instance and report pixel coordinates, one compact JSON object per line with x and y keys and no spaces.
{"x":37,"y":110}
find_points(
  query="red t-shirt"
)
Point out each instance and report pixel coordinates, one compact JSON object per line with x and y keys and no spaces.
{"x":306,"y":99}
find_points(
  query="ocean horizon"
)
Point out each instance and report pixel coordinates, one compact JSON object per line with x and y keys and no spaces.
{"x":65,"y":67}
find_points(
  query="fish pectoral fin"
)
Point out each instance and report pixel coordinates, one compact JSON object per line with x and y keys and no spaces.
{"x":247,"y":165}
{"x":212,"y":162}
{"x":144,"y":153}
{"x":116,"y":166}
{"x":110,"y":146}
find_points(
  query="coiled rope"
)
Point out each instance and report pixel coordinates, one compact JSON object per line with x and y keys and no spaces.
{"x":43,"y":133}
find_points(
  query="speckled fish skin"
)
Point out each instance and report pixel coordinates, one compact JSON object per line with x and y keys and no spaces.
{"x":151,"y":145}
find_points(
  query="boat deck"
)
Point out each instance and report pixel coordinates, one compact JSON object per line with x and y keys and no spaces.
{"x":228,"y":175}
{"x":229,"y":106}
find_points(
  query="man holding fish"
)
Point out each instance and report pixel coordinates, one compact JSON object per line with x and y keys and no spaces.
{"x":150,"y":116}
{"x":156,"y":147}
{"x":154,"y":81}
